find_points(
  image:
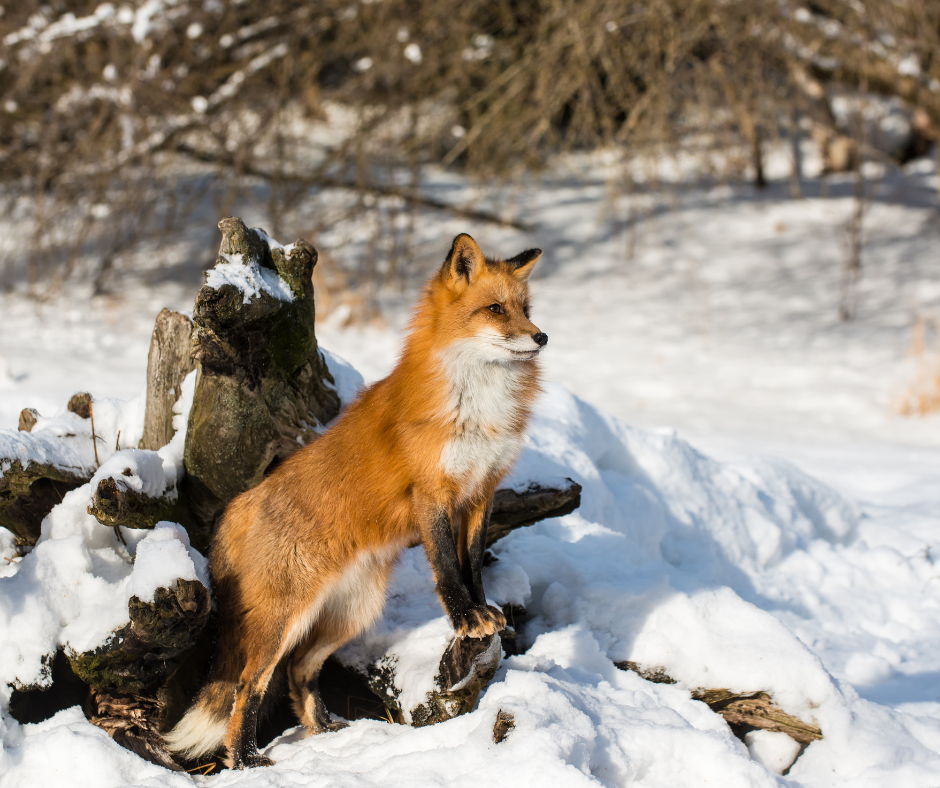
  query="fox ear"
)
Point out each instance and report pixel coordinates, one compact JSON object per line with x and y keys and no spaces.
{"x":524,"y":262}
{"x":464,"y":262}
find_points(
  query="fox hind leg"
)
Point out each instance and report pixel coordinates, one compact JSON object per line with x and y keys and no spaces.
{"x":241,"y":737}
{"x":304,"y":677}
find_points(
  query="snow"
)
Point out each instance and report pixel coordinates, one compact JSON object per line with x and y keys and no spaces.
{"x":755,"y":513}
{"x":249,"y":277}
{"x":72,"y":589}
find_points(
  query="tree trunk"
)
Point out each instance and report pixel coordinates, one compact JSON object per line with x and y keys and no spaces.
{"x":262,"y":387}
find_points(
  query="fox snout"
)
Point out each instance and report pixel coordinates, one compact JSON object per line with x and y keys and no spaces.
{"x":540,"y":339}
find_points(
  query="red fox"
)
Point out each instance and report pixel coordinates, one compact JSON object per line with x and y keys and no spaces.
{"x":300,"y":563}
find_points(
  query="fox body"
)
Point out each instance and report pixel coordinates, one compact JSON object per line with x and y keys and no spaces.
{"x":300,"y":563}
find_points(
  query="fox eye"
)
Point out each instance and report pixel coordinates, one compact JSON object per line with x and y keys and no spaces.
{"x":525,"y":311}
{"x":496,"y":309}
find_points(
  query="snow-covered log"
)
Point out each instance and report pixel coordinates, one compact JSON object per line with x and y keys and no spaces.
{"x":466,"y":667}
{"x":514,"y":508}
{"x":37,"y":469}
{"x":145,"y":651}
{"x":262,"y":388}
{"x":743,"y":711}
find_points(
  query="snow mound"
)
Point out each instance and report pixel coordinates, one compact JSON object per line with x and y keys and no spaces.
{"x":746,"y":578}
{"x":73,"y":587}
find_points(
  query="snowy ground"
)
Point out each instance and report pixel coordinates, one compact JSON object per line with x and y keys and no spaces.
{"x":793,"y":549}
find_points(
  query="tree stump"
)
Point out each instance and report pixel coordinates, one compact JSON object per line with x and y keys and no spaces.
{"x":168,"y":364}
{"x":263,"y":389}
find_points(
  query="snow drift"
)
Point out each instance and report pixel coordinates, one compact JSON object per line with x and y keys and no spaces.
{"x":746,"y":578}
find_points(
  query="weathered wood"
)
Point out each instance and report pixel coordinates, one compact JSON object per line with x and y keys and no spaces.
{"x":743,"y":711}
{"x":750,"y":710}
{"x":29,"y":491}
{"x":133,"y":721}
{"x":513,"y":509}
{"x":262,"y":388}
{"x":467,"y":666}
{"x":146,"y":650}
{"x":28,"y":419}
{"x":505,"y":723}
{"x":114,"y":503}
{"x":80,"y":404}
{"x":168,"y":364}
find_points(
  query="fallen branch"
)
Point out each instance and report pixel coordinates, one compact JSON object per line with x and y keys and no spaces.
{"x":512,"y":510}
{"x":743,"y":711}
{"x":115,"y":504}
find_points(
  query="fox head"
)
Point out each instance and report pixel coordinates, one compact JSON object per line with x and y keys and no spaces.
{"x":482,"y":304}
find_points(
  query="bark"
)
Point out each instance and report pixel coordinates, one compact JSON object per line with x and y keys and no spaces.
{"x":168,"y":364}
{"x":743,"y":711}
{"x":262,"y":388}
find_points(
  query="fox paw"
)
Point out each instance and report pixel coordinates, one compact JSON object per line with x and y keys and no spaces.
{"x":251,"y":760}
{"x":479,"y":622}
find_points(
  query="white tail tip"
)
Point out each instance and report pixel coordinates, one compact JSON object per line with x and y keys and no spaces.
{"x":199,"y":732}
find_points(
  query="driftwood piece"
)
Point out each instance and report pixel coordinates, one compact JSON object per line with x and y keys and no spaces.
{"x":262,"y":389}
{"x":168,"y":364}
{"x":505,"y":723}
{"x":80,"y":404}
{"x":29,"y":490}
{"x":743,"y":711}
{"x":513,"y":509}
{"x":145,"y":651}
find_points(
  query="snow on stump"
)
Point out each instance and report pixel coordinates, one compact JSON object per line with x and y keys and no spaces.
{"x":263,"y":389}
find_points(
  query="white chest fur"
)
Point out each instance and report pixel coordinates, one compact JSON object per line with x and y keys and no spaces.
{"x":483,"y":405}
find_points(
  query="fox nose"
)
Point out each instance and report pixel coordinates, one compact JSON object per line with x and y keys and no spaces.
{"x":540,"y":339}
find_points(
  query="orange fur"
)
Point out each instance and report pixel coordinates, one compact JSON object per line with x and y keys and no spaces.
{"x":300,"y":563}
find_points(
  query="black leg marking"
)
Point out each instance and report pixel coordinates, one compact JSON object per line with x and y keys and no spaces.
{"x":473,"y":571}
{"x":442,"y":553}
{"x":245,"y":750}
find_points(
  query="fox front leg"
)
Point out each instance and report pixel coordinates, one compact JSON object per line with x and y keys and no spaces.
{"x":468,"y":617}
{"x":472,"y":546}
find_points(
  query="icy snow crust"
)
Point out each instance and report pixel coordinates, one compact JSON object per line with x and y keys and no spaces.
{"x":725,"y":576}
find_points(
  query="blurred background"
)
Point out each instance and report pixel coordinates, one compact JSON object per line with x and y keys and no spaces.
{"x":738,"y":201}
